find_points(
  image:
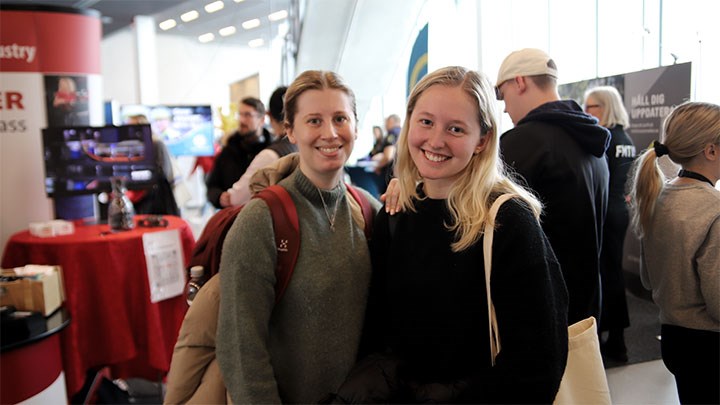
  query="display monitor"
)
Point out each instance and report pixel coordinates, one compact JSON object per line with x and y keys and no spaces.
{"x":81,"y":160}
{"x":186,"y":130}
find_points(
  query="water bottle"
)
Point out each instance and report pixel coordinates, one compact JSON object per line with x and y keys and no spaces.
{"x":120,"y":211}
{"x":197,"y":279}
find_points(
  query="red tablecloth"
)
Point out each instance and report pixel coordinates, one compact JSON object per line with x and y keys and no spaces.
{"x":107,"y":294}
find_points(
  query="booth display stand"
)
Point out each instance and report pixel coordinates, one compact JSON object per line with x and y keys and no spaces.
{"x":32,"y":368}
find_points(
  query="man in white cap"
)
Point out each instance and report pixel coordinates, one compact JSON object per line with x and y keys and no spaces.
{"x":560,"y":152}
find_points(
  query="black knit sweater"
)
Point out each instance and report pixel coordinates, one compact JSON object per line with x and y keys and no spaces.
{"x":428,"y":305}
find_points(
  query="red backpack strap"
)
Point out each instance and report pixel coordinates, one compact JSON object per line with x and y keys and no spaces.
{"x":287,"y":234}
{"x":365,"y":207}
{"x":208,"y":248}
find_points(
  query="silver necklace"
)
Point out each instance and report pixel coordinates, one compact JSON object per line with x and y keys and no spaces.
{"x":330,"y":218}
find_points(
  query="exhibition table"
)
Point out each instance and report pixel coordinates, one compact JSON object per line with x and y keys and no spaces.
{"x":31,"y":368}
{"x":108,"y":296}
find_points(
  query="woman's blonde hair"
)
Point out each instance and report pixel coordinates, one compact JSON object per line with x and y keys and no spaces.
{"x":687,"y":130}
{"x":614,"y":112}
{"x":484,"y":178}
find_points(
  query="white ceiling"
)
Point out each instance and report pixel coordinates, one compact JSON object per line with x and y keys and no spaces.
{"x":362,"y":40}
{"x":119,"y":14}
{"x":233,"y":14}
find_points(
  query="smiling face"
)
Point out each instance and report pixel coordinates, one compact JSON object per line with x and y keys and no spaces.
{"x":443,"y":136}
{"x":324,"y":129}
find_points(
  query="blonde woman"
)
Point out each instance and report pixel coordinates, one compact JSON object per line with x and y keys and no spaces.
{"x":679,"y":226}
{"x":427,"y":311}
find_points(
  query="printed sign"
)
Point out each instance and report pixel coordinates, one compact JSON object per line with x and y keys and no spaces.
{"x":648,"y":95}
{"x":164,"y":259}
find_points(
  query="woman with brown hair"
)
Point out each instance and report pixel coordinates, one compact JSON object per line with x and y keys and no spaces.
{"x":297,"y":350}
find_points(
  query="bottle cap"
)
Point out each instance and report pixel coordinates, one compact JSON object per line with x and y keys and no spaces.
{"x":197,"y":271}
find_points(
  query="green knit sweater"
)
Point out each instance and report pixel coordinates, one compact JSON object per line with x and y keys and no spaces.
{"x":301,"y":349}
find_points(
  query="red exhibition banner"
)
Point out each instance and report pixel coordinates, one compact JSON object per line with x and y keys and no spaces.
{"x":49,"y":42}
{"x":50,"y":76}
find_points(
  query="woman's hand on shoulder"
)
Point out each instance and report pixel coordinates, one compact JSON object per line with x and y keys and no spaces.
{"x":391,"y":197}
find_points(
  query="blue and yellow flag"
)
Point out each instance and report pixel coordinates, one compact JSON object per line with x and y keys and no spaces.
{"x":418,"y":60}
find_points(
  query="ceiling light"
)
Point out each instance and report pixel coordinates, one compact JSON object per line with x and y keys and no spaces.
{"x":250,"y":24}
{"x":227,"y":31}
{"x":278,"y":15}
{"x":256,"y":43}
{"x":190,"y":15}
{"x":282,"y":29}
{"x":214,"y":6}
{"x":167,"y":24}
{"x":206,"y":37}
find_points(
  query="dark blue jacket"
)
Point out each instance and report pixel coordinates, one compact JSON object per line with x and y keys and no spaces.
{"x":560,"y":152}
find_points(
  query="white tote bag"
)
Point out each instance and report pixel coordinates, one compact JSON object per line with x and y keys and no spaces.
{"x":584,"y":380}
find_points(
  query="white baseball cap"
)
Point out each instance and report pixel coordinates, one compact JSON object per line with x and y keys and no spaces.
{"x":526,"y":62}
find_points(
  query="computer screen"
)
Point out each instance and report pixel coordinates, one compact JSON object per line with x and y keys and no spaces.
{"x":81,"y":160}
{"x":186,"y":130}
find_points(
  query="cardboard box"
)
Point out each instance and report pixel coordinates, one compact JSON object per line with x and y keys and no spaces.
{"x":41,"y":293}
{"x":55,"y":227}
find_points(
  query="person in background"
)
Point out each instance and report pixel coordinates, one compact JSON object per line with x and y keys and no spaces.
{"x":427,"y":311}
{"x":241,"y":148}
{"x":678,"y":222}
{"x":298,"y":350}
{"x":240,"y":191}
{"x":66,"y":94}
{"x":605,"y":104}
{"x":385,"y":154}
{"x":160,"y":200}
{"x":379,"y":141}
{"x":162,"y":124}
{"x":559,"y":150}
{"x":65,"y":100}
{"x":393,"y":127}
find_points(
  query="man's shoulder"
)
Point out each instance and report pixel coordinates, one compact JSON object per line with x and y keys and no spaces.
{"x":227,"y":152}
{"x":530,"y":133}
{"x":535,"y":125}
{"x":281,"y":147}
{"x":619,"y":136}
{"x":523,"y":128}
{"x":533,"y":133}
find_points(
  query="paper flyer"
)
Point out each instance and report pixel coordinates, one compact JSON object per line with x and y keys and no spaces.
{"x":164,"y":258}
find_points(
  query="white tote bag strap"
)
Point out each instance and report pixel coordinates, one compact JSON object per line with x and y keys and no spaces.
{"x":487,"y":254}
